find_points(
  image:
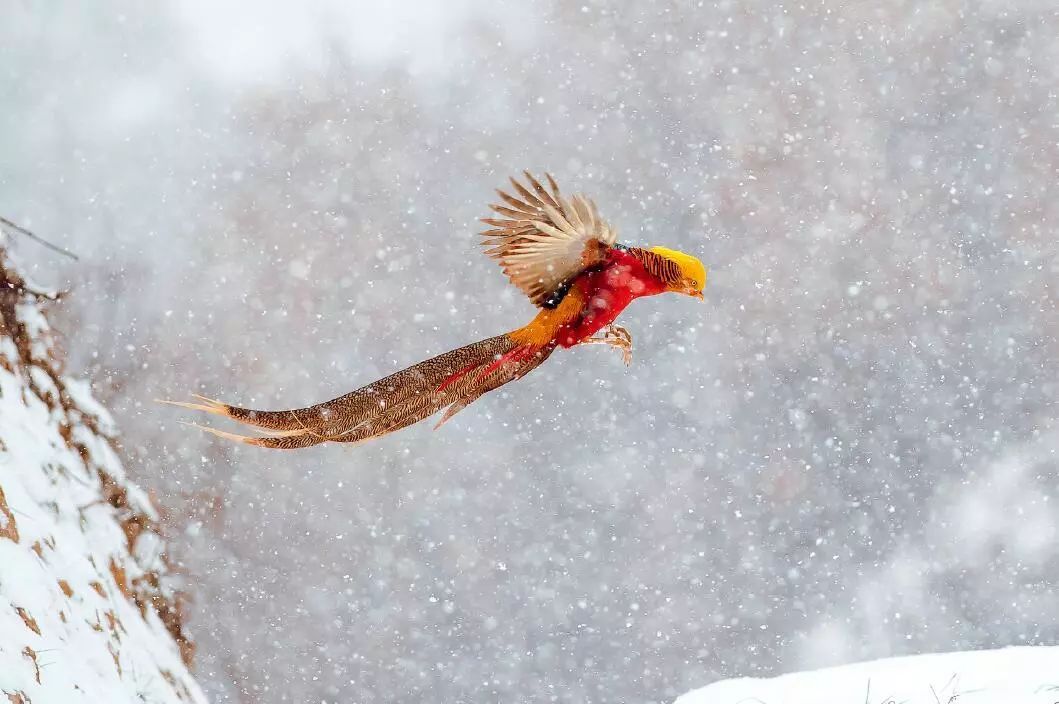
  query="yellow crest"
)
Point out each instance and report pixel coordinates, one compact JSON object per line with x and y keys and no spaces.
{"x":691,"y":268}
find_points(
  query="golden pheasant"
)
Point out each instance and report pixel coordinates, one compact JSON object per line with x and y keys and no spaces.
{"x":561,"y":254}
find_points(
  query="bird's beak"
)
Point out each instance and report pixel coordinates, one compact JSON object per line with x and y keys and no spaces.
{"x":693,"y":292}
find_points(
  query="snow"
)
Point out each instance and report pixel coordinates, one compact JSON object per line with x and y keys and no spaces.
{"x":1023,"y":675}
{"x":78,"y":555}
{"x":849,"y":451}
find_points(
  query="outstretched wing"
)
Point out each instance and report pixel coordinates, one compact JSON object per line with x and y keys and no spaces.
{"x":542,"y":240}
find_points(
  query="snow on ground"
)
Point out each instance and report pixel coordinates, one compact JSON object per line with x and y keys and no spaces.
{"x":1027,"y":675}
{"x":87,"y":612}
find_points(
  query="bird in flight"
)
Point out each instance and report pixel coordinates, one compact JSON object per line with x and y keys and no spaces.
{"x":563,"y":256}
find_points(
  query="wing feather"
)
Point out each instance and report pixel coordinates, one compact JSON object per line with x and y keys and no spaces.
{"x":526,"y":195}
{"x":514,"y":214}
{"x":517,"y":204}
{"x":542,"y":239}
{"x":541,"y":193}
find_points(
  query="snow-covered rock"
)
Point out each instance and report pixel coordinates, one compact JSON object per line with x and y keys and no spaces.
{"x":1026,"y":675}
{"x":88,"y":610}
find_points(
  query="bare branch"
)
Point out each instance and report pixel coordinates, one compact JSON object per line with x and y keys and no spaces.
{"x":39,"y":240}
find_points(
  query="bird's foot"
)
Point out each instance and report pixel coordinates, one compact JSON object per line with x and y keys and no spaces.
{"x":614,"y":336}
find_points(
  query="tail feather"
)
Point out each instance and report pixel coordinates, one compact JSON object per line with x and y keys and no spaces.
{"x":281,"y":441}
{"x":489,"y":372}
{"x":208,"y":405}
{"x":454,"y":380}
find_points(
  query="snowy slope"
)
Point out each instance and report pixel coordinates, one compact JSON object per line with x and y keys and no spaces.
{"x":86,"y":610}
{"x":1028,"y":675}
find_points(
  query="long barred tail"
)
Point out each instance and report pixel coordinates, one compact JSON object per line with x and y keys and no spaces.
{"x":454,"y":380}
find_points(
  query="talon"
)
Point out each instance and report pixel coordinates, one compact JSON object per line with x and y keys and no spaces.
{"x":614,"y":336}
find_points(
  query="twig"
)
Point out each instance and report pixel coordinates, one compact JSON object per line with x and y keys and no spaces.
{"x":39,"y":240}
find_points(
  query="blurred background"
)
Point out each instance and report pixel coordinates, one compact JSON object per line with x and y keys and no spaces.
{"x":848,"y":452}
